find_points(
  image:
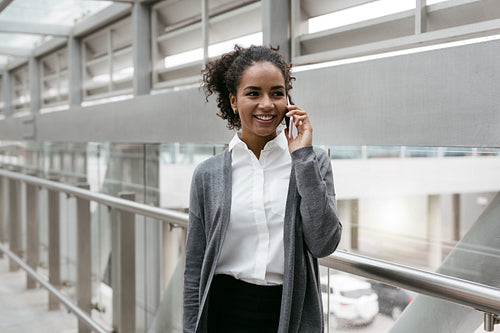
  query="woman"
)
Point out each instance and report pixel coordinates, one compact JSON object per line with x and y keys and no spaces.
{"x":261,"y":212}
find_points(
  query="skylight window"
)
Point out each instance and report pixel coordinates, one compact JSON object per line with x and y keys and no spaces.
{"x":362,"y":13}
{"x":213,"y":50}
{"x":63,"y":12}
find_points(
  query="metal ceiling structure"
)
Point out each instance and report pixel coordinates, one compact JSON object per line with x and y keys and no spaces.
{"x":71,"y":55}
{"x":27,"y":24}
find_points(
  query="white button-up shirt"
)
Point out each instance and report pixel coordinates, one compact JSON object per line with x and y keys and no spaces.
{"x":253,"y":245}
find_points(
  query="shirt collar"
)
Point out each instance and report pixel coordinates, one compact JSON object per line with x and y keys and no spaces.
{"x":279,"y":141}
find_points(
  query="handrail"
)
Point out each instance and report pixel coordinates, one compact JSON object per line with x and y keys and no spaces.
{"x":478,"y":296}
{"x":166,"y":215}
{"x":471,"y":294}
{"x":85,"y":318}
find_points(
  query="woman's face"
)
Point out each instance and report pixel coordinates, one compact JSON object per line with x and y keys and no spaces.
{"x":260,"y":101}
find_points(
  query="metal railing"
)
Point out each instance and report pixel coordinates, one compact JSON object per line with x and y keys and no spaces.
{"x":82,"y":316}
{"x":477,"y":296}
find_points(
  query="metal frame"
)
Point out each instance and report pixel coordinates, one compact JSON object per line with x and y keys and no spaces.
{"x":53,"y":291}
{"x":20,"y":88}
{"x":477,"y":296}
{"x":105,"y":57}
{"x":120,"y":121}
{"x":424,"y":25}
{"x":54,"y":77}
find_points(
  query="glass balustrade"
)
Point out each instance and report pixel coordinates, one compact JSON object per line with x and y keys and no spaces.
{"x":422,"y":207}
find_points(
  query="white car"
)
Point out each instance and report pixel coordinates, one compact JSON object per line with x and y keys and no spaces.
{"x":352,"y":300}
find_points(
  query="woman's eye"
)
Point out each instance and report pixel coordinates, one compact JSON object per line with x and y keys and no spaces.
{"x":279,"y":93}
{"x":252,"y":93}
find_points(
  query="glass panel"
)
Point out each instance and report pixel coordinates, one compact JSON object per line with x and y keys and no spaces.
{"x":2,"y":102}
{"x":415,"y":211}
{"x":20,"y":89}
{"x":54,"y":78}
{"x":177,"y":32}
{"x":108,"y":61}
{"x":64,"y":12}
{"x":421,"y":152}
{"x":434,"y":212}
{"x":356,"y":304}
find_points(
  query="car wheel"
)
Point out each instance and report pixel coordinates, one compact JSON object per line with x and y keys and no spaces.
{"x":396,"y":312}
{"x":334,"y":322}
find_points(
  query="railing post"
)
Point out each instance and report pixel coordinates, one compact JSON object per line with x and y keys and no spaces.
{"x":32,"y":243}
{"x":54,"y":244}
{"x":126,"y":262}
{"x":2,"y":210}
{"x":84,"y":286}
{"x":115,"y":283}
{"x":14,"y":221}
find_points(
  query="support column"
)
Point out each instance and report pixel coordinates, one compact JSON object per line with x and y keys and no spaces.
{"x":141,"y":23}
{"x":7,"y":93}
{"x":126,"y":262}
{"x":172,"y":252}
{"x":434,"y":233}
{"x":349,"y":215}
{"x":276,"y":25}
{"x":34,"y":80}
{"x":32,"y":243}
{"x":455,"y":213}
{"x":75,"y":71}
{"x":2,"y":210}
{"x":84,"y":268}
{"x":420,"y":17}
{"x":115,"y":283}
{"x":298,"y":25}
{"x":204,"y":30}
{"x":14,"y":222}
{"x":54,"y":245}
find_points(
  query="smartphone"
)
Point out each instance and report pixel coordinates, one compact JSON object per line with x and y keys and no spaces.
{"x":289,"y":124}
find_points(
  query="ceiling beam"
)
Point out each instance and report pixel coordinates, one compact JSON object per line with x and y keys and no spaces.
{"x":105,"y":16}
{"x":15,"y":51}
{"x":4,"y":4}
{"x":34,"y":28}
{"x":132,"y":1}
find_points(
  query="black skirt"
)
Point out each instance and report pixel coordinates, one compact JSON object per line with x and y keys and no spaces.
{"x":239,"y":307}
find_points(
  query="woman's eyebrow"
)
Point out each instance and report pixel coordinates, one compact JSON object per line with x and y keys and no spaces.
{"x":252,"y":88}
{"x":259,"y":88}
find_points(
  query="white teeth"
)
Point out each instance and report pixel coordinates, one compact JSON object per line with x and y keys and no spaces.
{"x":264,"y":117}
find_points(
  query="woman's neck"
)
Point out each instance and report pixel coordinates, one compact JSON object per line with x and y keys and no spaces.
{"x":256,"y":143}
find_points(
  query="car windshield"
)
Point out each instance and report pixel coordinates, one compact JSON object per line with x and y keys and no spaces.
{"x":357,"y":293}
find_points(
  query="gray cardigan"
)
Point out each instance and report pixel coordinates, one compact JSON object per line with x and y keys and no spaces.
{"x":311,"y":230}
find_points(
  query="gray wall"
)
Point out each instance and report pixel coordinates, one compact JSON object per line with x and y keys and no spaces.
{"x":445,"y":97}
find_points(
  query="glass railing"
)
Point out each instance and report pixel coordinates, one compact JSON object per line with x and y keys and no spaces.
{"x":406,"y":205}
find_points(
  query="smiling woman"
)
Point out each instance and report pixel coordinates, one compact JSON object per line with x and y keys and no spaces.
{"x":260,"y":103}
{"x":262,"y":211}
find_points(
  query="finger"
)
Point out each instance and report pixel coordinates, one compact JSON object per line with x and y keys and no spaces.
{"x":293,"y":109}
{"x":299,"y":120}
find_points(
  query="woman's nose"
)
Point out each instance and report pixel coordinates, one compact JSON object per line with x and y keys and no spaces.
{"x":266,"y":102}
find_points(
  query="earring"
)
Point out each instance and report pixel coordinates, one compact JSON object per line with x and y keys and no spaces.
{"x":235,"y":111}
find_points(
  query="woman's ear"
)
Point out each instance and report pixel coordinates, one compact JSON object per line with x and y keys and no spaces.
{"x":232,"y":100}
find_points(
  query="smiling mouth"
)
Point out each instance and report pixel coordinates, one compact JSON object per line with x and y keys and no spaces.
{"x":265,"y":118}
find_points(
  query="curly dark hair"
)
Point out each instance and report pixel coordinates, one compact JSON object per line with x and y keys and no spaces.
{"x":223,"y":75}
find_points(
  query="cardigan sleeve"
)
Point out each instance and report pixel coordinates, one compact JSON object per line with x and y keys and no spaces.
{"x":195,"y":252}
{"x":321,"y":226}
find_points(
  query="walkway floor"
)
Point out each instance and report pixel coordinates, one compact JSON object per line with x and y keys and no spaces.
{"x":26,"y":311}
